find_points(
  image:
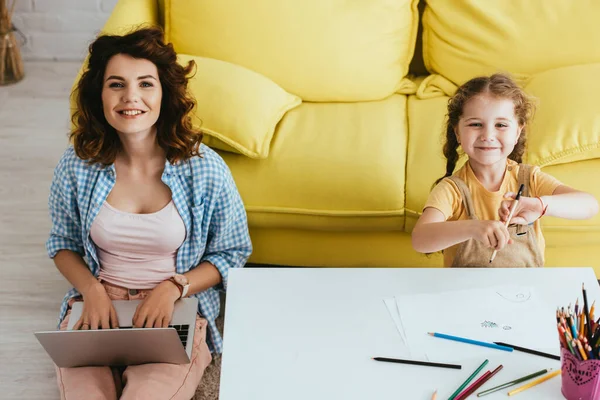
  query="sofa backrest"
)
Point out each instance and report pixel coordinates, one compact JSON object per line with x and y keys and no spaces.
{"x":467,"y":38}
{"x":334,"y":50}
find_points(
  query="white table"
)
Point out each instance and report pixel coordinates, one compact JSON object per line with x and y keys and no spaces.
{"x":310,"y":333}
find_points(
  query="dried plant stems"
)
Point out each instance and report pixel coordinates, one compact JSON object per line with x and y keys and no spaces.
{"x":11,"y":63}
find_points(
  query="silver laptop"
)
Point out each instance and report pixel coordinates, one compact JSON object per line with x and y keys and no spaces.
{"x":127,"y":345}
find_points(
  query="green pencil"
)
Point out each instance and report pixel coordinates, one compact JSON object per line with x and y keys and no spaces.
{"x":511,"y":383}
{"x":469,"y":379}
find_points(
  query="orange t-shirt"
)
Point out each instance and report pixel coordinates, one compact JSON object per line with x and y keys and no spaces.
{"x":446,"y":197}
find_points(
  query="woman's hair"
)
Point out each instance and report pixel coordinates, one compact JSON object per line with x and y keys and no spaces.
{"x":497,"y":85}
{"x":94,"y":139}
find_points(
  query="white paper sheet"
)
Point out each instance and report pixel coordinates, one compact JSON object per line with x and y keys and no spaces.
{"x":509,"y":314}
{"x":390,"y":304}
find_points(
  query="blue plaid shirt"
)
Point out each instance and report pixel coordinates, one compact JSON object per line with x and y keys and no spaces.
{"x":205,"y":195}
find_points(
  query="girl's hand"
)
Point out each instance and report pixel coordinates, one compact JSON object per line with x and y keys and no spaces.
{"x":492,"y":234}
{"x":98,"y":310}
{"x":528,"y":210}
{"x":156,"y":310}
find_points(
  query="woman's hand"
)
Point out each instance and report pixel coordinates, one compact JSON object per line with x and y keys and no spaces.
{"x":98,"y":310}
{"x":493,"y":234}
{"x":528,"y":210}
{"x":156,"y":310}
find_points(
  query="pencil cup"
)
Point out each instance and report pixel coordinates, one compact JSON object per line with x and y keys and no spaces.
{"x":580,"y":379}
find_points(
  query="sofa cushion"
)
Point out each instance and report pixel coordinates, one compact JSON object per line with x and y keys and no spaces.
{"x":582,"y":175}
{"x":566,"y":126}
{"x":237,"y":109}
{"x":334,"y":166}
{"x":465,"y":38}
{"x":332,"y":50}
{"x":426,"y":163}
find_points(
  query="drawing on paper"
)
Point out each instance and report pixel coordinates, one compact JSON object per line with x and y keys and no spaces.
{"x":516,"y":295}
{"x":491,"y":324}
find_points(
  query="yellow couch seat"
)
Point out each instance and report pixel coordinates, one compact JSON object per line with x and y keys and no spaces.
{"x":332,"y":166}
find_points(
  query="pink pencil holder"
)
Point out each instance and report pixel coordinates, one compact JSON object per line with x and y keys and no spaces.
{"x":580,"y":379}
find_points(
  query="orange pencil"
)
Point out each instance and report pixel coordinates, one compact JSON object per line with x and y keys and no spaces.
{"x":581,"y":351}
{"x":434,"y":396}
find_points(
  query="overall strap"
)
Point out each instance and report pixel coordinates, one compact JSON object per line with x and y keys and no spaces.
{"x":524,"y":177}
{"x":465,"y":193}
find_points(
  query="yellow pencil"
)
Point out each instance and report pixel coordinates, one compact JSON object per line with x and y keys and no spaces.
{"x":534,"y":383}
{"x":434,"y":397}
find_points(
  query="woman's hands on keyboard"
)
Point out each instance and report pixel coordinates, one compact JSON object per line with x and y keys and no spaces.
{"x":156,"y":310}
{"x":98,"y":310}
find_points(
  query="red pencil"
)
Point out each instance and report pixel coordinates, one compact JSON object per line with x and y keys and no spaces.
{"x":478,"y":383}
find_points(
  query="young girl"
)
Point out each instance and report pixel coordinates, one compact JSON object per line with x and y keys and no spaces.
{"x":466,"y":212}
{"x":142,"y":211}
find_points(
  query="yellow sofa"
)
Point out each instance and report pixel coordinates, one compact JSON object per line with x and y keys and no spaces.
{"x":340,"y":178}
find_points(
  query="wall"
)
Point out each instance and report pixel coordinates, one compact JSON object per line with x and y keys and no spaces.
{"x":59,"y":29}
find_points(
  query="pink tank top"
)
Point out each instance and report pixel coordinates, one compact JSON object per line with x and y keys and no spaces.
{"x":137,"y":251}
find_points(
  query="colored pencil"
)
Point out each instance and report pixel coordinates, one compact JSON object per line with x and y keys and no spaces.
{"x":414,"y":362}
{"x":473,"y":386}
{"x":470,"y":341}
{"x":434,"y":395}
{"x":512,"y":383}
{"x":484,"y":378}
{"x":513,"y":207}
{"x":530,"y":351}
{"x":534,"y":383}
{"x":580,"y":348}
{"x":469,"y":379}
{"x":586,"y":310}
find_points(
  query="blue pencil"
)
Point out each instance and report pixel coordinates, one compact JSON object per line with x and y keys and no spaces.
{"x":471,"y":341}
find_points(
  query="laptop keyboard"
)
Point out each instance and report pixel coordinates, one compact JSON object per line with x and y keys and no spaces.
{"x":182,"y":331}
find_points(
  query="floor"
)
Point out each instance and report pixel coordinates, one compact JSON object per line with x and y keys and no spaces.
{"x":34,"y":122}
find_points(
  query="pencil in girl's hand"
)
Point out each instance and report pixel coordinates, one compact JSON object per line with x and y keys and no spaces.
{"x":534,"y":383}
{"x":434,"y":396}
{"x":513,"y":207}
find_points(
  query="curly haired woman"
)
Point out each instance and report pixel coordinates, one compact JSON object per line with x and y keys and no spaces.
{"x":141,"y":210}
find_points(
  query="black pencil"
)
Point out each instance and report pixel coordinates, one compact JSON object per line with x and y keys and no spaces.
{"x":530,"y":351}
{"x":413,"y":362}
{"x":586,"y":314}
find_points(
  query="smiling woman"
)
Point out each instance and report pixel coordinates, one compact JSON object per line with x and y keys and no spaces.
{"x":131,"y":102}
{"x":141,"y":210}
{"x":135,"y":70}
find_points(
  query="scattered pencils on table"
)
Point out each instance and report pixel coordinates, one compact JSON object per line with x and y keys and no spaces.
{"x":530,"y":351}
{"x":470,"y":341}
{"x":415,"y":362}
{"x":534,"y":383}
